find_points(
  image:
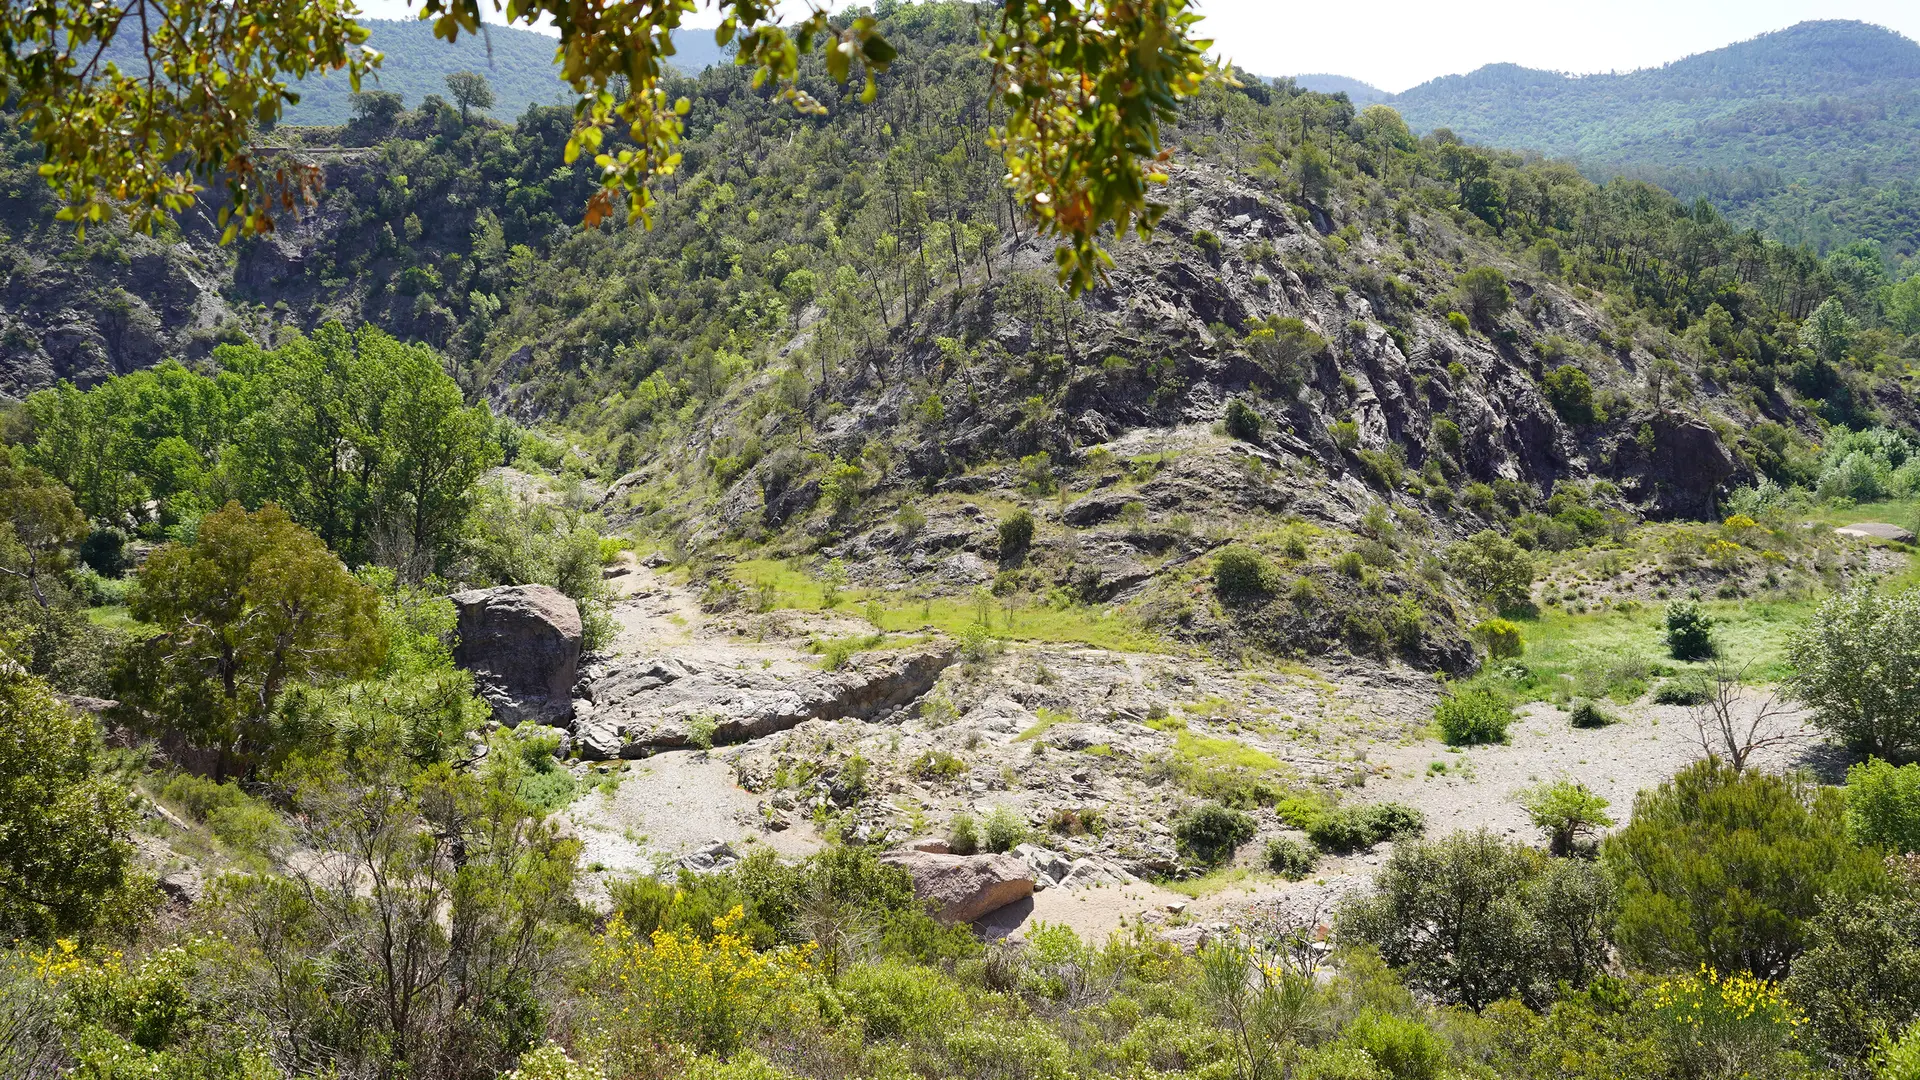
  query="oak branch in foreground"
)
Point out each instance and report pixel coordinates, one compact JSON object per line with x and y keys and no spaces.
{"x":1086,"y":84}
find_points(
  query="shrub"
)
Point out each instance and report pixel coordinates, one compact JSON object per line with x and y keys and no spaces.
{"x":963,"y":837}
{"x":1016,"y":534}
{"x":1290,"y":858}
{"x":1689,"y":631}
{"x":1680,"y":692}
{"x":1473,"y":714}
{"x":1005,"y":829}
{"x":1211,"y":832}
{"x":1380,"y":468}
{"x":1241,"y":573}
{"x":1500,"y":637}
{"x":1346,"y":434}
{"x":1859,"y":978}
{"x":1484,"y":293}
{"x":1585,"y":713}
{"x":1731,"y":1025}
{"x":1243,"y":420}
{"x":708,"y":992}
{"x":1570,"y":392}
{"x":1406,"y":1049}
{"x":1723,"y":867}
{"x":1493,"y":568}
{"x":1474,"y":919}
{"x":937,"y":765}
{"x":1357,"y":828}
{"x":1857,"y":666}
{"x":1883,"y":805}
{"x":1565,"y":810}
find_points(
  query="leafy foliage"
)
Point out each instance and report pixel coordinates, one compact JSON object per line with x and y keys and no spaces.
{"x":1883,"y":806}
{"x":255,"y":605}
{"x":65,"y":855}
{"x":1566,"y":811}
{"x":1689,"y":631}
{"x":1854,"y":666}
{"x":1473,"y":713}
{"x":1211,"y":832}
{"x":1474,"y":919}
{"x":1724,"y":868}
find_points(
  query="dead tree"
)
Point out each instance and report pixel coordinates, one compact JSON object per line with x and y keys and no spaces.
{"x":1727,"y":731}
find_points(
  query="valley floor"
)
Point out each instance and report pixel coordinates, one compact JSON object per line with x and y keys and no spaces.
{"x":1096,"y":751}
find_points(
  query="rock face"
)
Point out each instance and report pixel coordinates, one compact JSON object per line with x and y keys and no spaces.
{"x":1876,"y":530}
{"x":522,"y":643}
{"x":631,"y":707}
{"x":965,"y":887}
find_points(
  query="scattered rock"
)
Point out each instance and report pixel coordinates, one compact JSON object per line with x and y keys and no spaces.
{"x":715,"y":857}
{"x":965,"y":887}
{"x":1876,"y":530}
{"x":184,"y":887}
{"x":654,"y":703}
{"x":522,"y":643}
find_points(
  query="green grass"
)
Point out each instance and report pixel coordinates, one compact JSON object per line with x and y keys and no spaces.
{"x":779,"y":585}
{"x":1044,"y":718}
{"x":113,"y":617}
{"x":1228,"y":753}
{"x":1219,"y":881}
{"x":1901,"y":512}
{"x":1756,"y":631}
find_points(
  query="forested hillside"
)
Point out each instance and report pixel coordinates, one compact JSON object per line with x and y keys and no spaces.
{"x":1812,"y":132}
{"x":1424,"y":615}
{"x":519,"y":66}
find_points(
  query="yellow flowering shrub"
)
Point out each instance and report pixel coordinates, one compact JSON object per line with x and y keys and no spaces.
{"x":1731,"y":1025}
{"x":706,"y":993}
{"x":141,"y":1021}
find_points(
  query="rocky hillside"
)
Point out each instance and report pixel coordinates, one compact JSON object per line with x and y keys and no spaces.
{"x":1345,"y":350}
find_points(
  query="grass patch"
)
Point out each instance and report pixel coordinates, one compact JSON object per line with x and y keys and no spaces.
{"x":1219,"y":881}
{"x":1222,"y":753}
{"x":1044,"y":718}
{"x":113,"y":617}
{"x":772,"y":584}
{"x":835,"y":652}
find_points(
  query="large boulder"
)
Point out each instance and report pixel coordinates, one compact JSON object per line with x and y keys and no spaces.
{"x":522,"y":643}
{"x":964,"y":887}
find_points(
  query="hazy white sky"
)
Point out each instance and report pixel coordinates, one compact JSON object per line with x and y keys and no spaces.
{"x":1395,"y":44}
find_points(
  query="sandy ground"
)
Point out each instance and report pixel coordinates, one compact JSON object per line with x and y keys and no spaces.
{"x":676,"y":803}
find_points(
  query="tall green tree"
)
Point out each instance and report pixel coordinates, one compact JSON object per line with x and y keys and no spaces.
{"x":1724,"y":868}
{"x":470,"y":90}
{"x":255,"y":605}
{"x":1475,"y":919}
{"x":1856,"y":664}
{"x":65,"y":826}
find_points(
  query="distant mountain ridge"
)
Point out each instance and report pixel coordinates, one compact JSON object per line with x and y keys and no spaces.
{"x":1360,"y":93}
{"x":519,"y":64}
{"x":1778,"y":101}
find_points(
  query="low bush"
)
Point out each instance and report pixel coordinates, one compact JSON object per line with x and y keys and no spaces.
{"x":1500,"y":637}
{"x":1016,"y":534}
{"x":1689,"y":631}
{"x":1680,"y":692}
{"x":937,"y":765}
{"x":963,"y":836}
{"x":1883,"y":805}
{"x":1005,"y":829}
{"x":1473,"y":714}
{"x":1586,"y":714}
{"x":1290,"y":858}
{"x":1211,"y":833}
{"x":1241,"y":573}
{"x":1357,"y":828}
{"x":1243,"y":420}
